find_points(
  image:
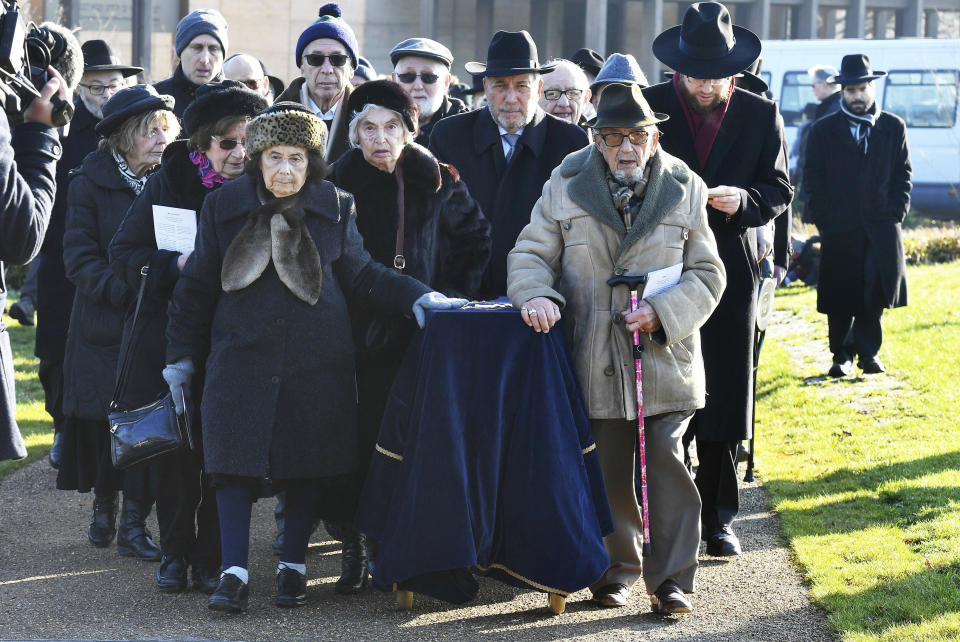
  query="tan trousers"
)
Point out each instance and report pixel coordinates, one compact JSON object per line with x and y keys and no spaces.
{"x":673,"y":502}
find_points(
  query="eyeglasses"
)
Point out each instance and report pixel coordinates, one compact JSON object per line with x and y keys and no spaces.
{"x":713,"y":82}
{"x":615,"y":139}
{"x":251,"y":83}
{"x":554,"y":94}
{"x":409,"y":77}
{"x":336,"y":60}
{"x":98,"y":90}
{"x":229,"y":144}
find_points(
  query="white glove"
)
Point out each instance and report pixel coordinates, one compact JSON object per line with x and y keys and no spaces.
{"x":434,"y":301}
{"x":178,"y":376}
{"x":764,"y":241}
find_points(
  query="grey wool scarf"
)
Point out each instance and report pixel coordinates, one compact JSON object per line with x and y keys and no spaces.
{"x":275,"y":230}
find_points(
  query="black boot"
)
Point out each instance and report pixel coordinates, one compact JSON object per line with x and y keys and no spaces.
{"x":355,"y":558}
{"x":55,"y":451}
{"x":133,"y":538}
{"x":103,"y":526}
{"x":278,"y":514}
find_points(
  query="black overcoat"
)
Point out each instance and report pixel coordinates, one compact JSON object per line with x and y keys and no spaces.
{"x":180,"y":87}
{"x":98,"y":200}
{"x":279,"y":398}
{"x":749,"y":154}
{"x":175,"y":184}
{"x":26,"y":197}
{"x":506,"y":192}
{"x":446,"y":246}
{"x":858,"y":202}
{"x":54,"y":289}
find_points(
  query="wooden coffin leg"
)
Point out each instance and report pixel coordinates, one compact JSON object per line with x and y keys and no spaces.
{"x":557,"y":603}
{"x":404,"y":600}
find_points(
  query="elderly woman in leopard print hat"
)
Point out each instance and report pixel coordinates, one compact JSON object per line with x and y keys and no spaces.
{"x":262,"y":307}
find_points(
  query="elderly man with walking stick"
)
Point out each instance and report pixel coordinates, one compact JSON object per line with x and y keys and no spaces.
{"x":623,"y":210}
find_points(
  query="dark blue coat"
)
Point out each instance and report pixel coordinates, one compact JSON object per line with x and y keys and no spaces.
{"x":858,"y":203}
{"x":180,"y":87}
{"x":749,"y":154}
{"x":26,"y":198}
{"x":279,"y":398}
{"x":506,"y":192}
{"x":97,"y":202}
{"x":54,"y":289}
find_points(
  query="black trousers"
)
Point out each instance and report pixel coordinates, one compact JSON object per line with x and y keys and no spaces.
{"x":50,"y":374}
{"x":716,"y":481}
{"x":855,"y":335}
{"x":187,"y":509}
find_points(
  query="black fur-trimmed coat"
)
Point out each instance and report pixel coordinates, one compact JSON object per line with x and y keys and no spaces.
{"x":446,"y":245}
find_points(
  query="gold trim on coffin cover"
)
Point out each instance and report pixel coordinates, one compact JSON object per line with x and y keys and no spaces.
{"x":391,"y":455}
{"x":516,"y":575}
{"x":589,"y":449}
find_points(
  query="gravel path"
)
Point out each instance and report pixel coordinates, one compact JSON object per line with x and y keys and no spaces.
{"x":53,"y":584}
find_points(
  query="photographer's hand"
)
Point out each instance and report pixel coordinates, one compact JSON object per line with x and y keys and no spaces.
{"x":41,"y":109}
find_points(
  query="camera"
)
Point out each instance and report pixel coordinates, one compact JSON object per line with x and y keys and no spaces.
{"x":26,"y":51}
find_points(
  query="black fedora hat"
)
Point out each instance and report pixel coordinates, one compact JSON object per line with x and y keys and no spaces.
{"x":707,"y":44}
{"x":623,"y":105}
{"x":129,"y":102}
{"x":854,"y":70}
{"x":510,"y":53}
{"x":588,"y":60}
{"x":98,"y":56}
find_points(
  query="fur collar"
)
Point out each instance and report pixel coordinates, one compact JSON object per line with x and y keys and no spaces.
{"x":275,"y":230}
{"x":587,"y":187}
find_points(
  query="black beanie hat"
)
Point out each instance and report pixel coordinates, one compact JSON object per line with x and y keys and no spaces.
{"x":387,"y":94}
{"x":216,"y":100}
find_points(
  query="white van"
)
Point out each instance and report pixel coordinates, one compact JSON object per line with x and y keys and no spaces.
{"x":921,"y":86}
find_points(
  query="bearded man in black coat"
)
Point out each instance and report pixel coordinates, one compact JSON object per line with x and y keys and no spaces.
{"x":734,"y":140}
{"x":857,"y":177}
{"x":506,"y":152}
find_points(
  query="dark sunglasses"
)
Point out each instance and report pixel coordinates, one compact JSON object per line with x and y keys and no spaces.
{"x":409,"y":77}
{"x":251,"y":84}
{"x":316,"y":60}
{"x":228,"y":144}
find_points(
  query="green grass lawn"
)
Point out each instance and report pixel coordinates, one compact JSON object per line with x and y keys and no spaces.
{"x":35,"y":423}
{"x":865,"y":472}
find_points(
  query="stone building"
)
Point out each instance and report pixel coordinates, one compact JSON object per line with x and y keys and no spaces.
{"x":142,"y":30}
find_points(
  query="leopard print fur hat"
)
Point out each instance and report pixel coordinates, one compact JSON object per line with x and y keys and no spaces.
{"x":286,"y":123}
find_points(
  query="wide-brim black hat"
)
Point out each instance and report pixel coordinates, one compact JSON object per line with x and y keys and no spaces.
{"x":707,"y":44}
{"x":98,"y":56}
{"x":854,"y":70}
{"x":129,"y":102}
{"x":510,"y":53}
{"x":623,"y":105}
{"x":216,"y":100}
{"x":386,"y":94}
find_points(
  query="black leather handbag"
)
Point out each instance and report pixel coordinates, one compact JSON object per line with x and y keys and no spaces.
{"x":146,"y":432}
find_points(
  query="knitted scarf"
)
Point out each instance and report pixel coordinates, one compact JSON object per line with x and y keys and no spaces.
{"x":275,"y":230}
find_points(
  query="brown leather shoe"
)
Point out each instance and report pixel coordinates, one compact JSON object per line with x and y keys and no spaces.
{"x":669,"y":598}
{"x":611,"y":595}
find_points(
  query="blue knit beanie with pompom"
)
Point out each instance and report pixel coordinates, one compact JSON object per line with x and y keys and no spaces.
{"x":330,"y":24}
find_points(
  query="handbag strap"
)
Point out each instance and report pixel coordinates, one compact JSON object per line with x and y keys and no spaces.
{"x":399,"y":261}
{"x":125,"y":358}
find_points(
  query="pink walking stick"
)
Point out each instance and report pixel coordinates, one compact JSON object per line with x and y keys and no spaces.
{"x":632,"y":282}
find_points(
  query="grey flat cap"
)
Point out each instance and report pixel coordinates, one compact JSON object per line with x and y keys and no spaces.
{"x":620,"y":68}
{"x":421,"y":47}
